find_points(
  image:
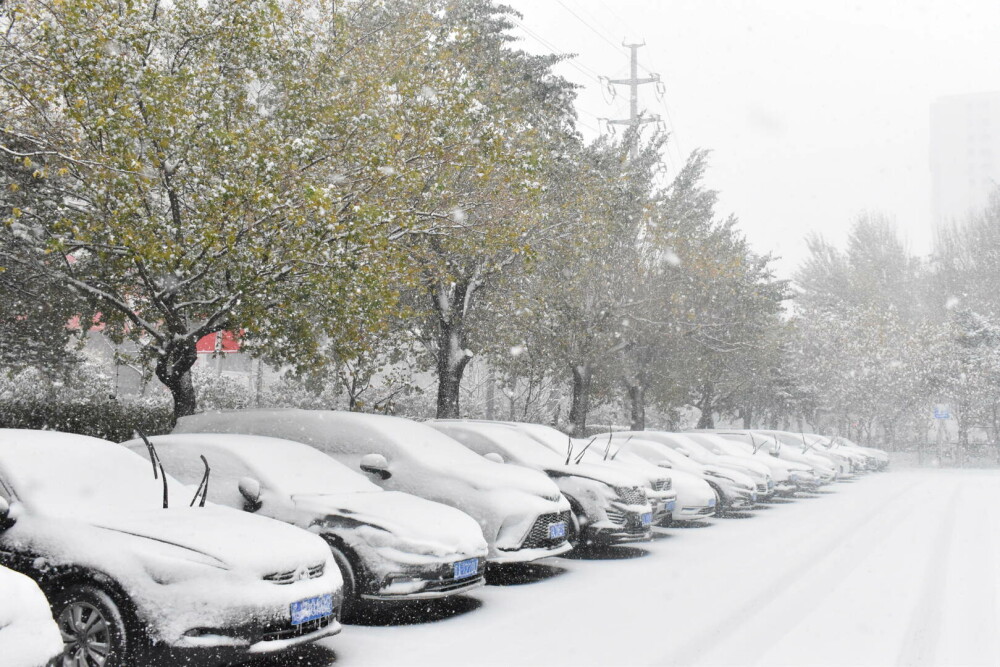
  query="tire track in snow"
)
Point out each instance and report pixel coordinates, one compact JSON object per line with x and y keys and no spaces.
{"x":921,"y":638}
{"x":745,"y":613}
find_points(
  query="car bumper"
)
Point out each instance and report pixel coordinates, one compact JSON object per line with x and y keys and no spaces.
{"x":696,"y":513}
{"x":427,"y":584}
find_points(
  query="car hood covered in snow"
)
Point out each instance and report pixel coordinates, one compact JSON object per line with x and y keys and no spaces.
{"x":408,"y":522}
{"x":221,"y":534}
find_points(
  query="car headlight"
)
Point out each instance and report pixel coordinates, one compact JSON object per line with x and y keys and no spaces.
{"x":168,"y":564}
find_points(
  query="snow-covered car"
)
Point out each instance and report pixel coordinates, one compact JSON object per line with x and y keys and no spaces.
{"x":803,"y":474}
{"x":696,"y":499}
{"x":515,"y":508}
{"x":131,"y":570}
{"x":735,"y":482}
{"x":805,"y":445}
{"x":656,"y":483}
{"x":878,"y":458}
{"x":390,"y":546}
{"x":790,"y":448}
{"x":29,"y":636}
{"x":605,"y":508}
{"x":782,"y":472}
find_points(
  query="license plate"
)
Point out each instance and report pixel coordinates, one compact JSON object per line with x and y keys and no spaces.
{"x":646,"y":518}
{"x":466,"y":568}
{"x":310,"y":609}
{"x":711,"y":502}
{"x":557,"y":530}
{"x":669,"y":505}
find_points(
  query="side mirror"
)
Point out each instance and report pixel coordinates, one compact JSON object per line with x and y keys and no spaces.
{"x":493,"y":456}
{"x":376,"y":464}
{"x":5,"y":520}
{"x":250,"y":490}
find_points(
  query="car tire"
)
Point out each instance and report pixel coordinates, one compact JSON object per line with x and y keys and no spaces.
{"x":92,"y":626}
{"x":720,"y":501}
{"x":349,"y":607}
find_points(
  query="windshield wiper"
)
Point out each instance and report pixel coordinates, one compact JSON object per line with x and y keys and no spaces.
{"x":753,"y":443}
{"x":805,"y":447}
{"x":203,"y":485}
{"x":154,"y":458}
{"x":569,"y":449}
{"x":621,"y":448}
{"x":584,"y":451}
{"x":607,"y":447}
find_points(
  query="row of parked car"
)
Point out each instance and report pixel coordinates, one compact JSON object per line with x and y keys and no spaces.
{"x":251,"y":532}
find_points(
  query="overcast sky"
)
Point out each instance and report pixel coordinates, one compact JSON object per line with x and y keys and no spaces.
{"x":814,"y":111}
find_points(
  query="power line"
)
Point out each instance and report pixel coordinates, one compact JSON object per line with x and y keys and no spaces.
{"x":580,"y":67}
{"x":588,"y":25}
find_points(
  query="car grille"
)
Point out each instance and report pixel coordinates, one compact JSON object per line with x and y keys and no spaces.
{"x":631,"y":495}
{"x":706,"y":511}
{"x":762,"y":487}
{"x":288,"y":631}
{"x":291,"y":576}
{"x":615,"y":516}
{"x":662,"y":485}
{"x":448,"y":585}
{"x":538,"y":536}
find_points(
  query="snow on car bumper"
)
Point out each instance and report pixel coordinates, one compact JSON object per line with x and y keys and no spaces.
{"x":427,"y":584}
{"x":695,"y":513}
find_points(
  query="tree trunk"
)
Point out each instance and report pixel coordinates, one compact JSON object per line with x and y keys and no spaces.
{"x":582,"y":375}
{"x":706,"y":405}
{"x":451,"y":364}
{"x":637,"y":398}
{"x":747,"y":418}
{"x":173,"y":368}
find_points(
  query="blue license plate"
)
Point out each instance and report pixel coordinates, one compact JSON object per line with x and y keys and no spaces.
{"x":711,"y":502}
{"x":466,"y":568}
{"x":557,"y":530}
{"x":310,"y":609}
{"x":647,"y":518}
{"x":669,"y":505}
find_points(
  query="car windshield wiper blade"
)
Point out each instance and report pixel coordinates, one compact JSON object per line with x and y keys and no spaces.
{"x":753,"y":443}
{"x":203,"y":485}
{"x":154,"y":458}
{"x":621,"y":448}
{"x":584,"y":451}
{"x":569,"y":449}
{"x":607,"y":447}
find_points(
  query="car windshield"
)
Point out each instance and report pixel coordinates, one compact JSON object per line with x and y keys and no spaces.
{"x":520,"y":448}
{"x":61,"y":475}
{"x":299,"y":469}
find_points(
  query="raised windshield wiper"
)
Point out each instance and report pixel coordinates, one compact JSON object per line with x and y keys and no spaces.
{"x":569,"y":449}
{"x":203,"y":485}
{"x":584,"y":451}
{"x":621,"y":448}
{"x":805,"y":447}
{"x":154,"y":458}
{"x":753,"y":443}
{"x":607,"y":447}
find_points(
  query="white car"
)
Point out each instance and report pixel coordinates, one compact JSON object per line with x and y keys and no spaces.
{"x":131,"y":570}
{"x":782,"y":472}
{"x":515,"y":507}
{"x":657,"y":485}
{"x":696,"y":499}
{"x":29,"y":636}
{"x":766,"y":449}
{"x":735,"y":482}
{"x":604,"y":503}
{"x":390,"y":546}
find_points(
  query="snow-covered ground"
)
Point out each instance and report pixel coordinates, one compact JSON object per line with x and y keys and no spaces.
{"x":895,"y":568}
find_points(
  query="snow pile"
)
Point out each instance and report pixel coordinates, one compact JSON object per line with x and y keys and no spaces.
{"x":28,"y":635}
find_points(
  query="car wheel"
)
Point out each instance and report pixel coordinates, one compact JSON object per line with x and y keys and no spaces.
{"x":350,"y":604}
{"x":92,"y":628}
{"x":720,"y":502}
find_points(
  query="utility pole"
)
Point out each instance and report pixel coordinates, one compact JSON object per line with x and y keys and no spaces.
{"x":633,"y":82}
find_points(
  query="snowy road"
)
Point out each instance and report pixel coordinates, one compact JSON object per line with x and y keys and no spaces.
{"x":895,"y":568}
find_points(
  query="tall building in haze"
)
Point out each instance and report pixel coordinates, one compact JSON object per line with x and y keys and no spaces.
{"x":964,"y":155}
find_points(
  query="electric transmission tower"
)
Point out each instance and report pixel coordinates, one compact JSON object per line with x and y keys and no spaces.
{"x":635,"y":119}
